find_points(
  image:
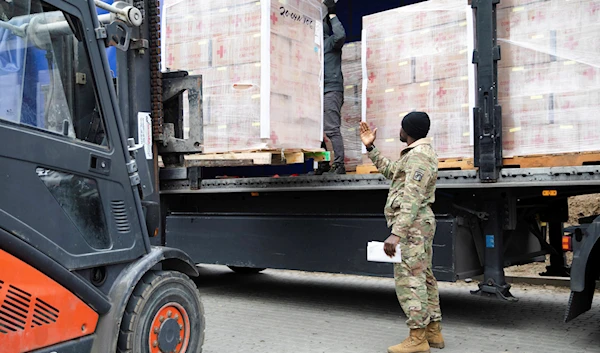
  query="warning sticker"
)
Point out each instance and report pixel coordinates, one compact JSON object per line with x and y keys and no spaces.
{"x":145,"y":133}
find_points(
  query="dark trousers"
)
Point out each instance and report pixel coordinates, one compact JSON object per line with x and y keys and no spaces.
{"x":332,"y":121}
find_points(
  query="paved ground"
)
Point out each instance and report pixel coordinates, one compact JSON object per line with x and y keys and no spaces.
{"x":296,"y":312}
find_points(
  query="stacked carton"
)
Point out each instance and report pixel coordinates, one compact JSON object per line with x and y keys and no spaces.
{"x":549,"y":76}
{"x":262,"y":65}
{"x":417,"y":58}
{"x":352,"y":108}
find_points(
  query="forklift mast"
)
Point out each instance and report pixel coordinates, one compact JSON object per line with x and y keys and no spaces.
{"x":75,"y":190}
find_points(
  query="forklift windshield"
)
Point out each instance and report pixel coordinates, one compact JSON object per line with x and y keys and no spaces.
{"x":45,"y":75}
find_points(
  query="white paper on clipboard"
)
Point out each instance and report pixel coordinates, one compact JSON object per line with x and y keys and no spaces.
{"x":375,"y":253}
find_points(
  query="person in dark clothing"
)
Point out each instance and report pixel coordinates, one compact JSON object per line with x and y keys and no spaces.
{"x":334,"y":37}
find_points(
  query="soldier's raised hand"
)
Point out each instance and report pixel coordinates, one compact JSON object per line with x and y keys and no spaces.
{"x":367,"y":135}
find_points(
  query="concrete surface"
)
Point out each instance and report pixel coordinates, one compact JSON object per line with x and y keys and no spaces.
{"x":297,"y":312}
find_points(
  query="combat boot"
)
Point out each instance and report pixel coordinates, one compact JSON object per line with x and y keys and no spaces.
{"x":415,"y":343}
{"x":323,"y":168}
{"x":337,"y":168}
{"x":434,"y":335}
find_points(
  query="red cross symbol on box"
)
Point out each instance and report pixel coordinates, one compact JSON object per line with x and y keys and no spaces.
{"x":441,"y":92}
{"x":572,"y":43}
{"x":272,"y":49}
{"x":427,"y":68}
{"x":567,"y":105}
{"x":594,"y":7}
{"x":170,"y":59}
{"x":369,"y":103}
{"x":402,"y":97}
{"x":539,"y":15}
{"x":590,"y":72}
{"x":372,"y":77}
{"x":421,"y":17}
{"x":298,"y":55}
{"x":237,"y":20}
{"x":274,"y":137}
{"x":221,"y":51}
{"x":199,"y":25}
{"x":274,"y":18}
{"x":169,"y":31}
{"x":369,"y":52}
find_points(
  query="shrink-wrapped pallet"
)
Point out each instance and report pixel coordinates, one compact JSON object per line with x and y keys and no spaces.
{"x":352,"y":108}
{"x":417,"y":58}
{"x":262,"y":68}
{"x":549,"y":76}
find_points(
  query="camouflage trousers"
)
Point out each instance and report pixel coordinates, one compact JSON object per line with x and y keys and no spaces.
{"x":416,"y":287}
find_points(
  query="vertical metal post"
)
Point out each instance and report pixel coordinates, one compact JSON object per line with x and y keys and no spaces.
{"x":494,"y":282}
{"x":557,"y":259}
{"x":487,"y":112}
{"x":555,"y":215}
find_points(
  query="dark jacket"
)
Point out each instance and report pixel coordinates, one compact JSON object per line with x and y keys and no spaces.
{"x":334,"y":80}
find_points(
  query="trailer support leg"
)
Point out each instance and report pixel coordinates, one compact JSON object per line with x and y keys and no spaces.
{"x":557,"y":266}
{"x":555,"y":216}
{"x":494,"y":283}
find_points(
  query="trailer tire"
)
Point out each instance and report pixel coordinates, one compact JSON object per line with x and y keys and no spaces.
{"x":246,"y":270}
{"x":163,"y":306}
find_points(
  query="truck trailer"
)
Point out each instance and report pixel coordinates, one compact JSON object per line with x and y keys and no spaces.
{"x":90,"y":218}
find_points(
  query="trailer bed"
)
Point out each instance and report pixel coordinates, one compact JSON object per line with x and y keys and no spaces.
{"x":177,"y":181}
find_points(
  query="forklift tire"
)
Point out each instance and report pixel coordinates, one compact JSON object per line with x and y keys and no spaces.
{"x":164,"y":314}
{"x":246,"y":270}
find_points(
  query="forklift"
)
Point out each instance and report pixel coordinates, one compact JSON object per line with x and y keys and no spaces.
{"x":78,"y":271}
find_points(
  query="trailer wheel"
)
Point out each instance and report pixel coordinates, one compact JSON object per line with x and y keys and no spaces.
{"x":246,"y":270}
{"x":164,"y":314}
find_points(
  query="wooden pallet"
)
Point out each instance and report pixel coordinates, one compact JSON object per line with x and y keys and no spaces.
{"x":553,"y":160}
{"x":456,"y":164}
{"x":253,"y":158}
{"x":445,"y":164}
{"x":366,"y":169}
{"x":533,"y":161}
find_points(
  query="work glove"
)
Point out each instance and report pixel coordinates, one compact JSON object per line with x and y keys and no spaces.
{"x":330,"y":6}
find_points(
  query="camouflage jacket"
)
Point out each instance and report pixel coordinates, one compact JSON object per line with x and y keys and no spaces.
{"x":412,"y":190}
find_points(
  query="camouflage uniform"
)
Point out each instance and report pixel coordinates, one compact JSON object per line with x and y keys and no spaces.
{"x":409,"y":214}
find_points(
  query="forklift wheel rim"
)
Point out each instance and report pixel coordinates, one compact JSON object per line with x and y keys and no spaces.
{"x":168,"y":312}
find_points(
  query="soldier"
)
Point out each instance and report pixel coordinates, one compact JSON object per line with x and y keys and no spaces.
{"x":334,"y":37}
{"x":408,"y":212}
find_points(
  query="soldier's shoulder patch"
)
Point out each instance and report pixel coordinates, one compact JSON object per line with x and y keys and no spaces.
{"x":419,"y":174}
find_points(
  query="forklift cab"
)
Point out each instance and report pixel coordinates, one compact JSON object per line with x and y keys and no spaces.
{"x":71,"y":185}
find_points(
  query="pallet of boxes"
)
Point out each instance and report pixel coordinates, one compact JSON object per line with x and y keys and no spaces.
{"x":262,"y":68}
{"x":352,"y":107}
{"x":418,"y":57}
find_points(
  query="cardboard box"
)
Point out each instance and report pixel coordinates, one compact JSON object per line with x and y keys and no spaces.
{"x":352,"y":52}
{"x":262,"y":77}
{"x":432,"y":76}
{"x":436,"y":67}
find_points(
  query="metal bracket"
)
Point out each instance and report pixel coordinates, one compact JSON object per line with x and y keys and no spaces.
{"x":132,"y":167}
{"x":139,"y":44}
{"x":173,"y":86}
{"x":118,"y":35}
{"x":80,"y":78}
{"x":484,"y":216}
{"x":139,"y":172}
{"x":100,"y":33}
{"x":491,"y":289}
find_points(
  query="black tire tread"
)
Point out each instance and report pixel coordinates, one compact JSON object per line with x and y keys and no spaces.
{"x":137,"y":300}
